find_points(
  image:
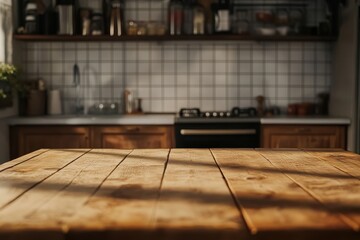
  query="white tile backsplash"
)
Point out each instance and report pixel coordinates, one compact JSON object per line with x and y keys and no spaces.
{"x":220,"y":105}
{"x":170,"y":75}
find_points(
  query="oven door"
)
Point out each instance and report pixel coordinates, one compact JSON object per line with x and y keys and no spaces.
{"x":217,"y":135}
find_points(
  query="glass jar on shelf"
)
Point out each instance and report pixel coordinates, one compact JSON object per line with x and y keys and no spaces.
{"x":198,"y":19}
{"x":97,"y":24}
{"x":132,"y":27}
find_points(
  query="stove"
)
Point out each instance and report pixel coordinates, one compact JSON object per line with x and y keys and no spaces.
{"x":236,"y":112}
{"x":237,"y":128}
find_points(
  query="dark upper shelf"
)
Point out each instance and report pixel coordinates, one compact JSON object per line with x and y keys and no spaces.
{"x":74,"y":38}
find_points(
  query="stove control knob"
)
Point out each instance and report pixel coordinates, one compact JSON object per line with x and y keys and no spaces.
{"x":235,"y":111}
{"x":221,"y":114}
{"x":215,"y":114}
{"x":252,"y":112}
{"x":228,"y":114}
{"x":207,"y":114}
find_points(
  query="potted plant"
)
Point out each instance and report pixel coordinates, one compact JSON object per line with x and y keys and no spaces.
{"x":9,"y":83}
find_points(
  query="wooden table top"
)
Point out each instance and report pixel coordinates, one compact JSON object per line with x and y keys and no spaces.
{"x":181,"y":194}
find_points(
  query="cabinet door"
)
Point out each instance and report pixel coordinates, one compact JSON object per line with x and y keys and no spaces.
{"x":25,"y":139}
{"x":305,"y":136}
{"x":132,"y":137}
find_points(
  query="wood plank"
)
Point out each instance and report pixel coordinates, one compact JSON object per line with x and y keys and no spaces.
{"x":100,"y":163}
{"x":21,"y":159}
{"x":58,"y":197}
{"x":195,"y":202}
{"x":271,"y":203}
{"x":76,"y":194}
{"x":124,"y":205}
{"x":333,"y":188}
{"x":21,"y":178}
{"x":345,"y":161}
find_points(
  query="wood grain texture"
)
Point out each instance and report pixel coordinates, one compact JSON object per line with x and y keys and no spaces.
{"x":347,"y":162}
{"x":133,"y":136}
{"x":335,"y":189}
{"x":125,"y":202}
{"x":162,"y":194}
{"x":69,"y":189}
{"x":21,"y":159}
{"x":271,"y":202}
{"x":303,"y":136}
{"x":21,"y":178}
{"x":26,"y":139}
{"x":195,"y":200}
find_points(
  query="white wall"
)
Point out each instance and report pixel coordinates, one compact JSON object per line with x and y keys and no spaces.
{"x":343,"y":91}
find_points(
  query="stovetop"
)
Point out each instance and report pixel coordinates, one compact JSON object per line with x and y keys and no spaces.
{"x":235,"y":115}
{"x":235,"y":112}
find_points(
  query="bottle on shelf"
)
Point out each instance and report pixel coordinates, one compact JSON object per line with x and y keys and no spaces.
{"x":116,"y":18}
{"x":175,"y":17}
{"x":199,"y":19}
{"x":85,"y":21}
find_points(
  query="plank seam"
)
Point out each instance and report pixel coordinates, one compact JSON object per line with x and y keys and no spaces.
{"x":347,"y":220}
{"x":36,"y":184}
{"x":102,"y":182}
{"x":160,"y":187}
{"x":64,"y":227}
{"x":25,"y":160}
{"x":244,"y":215}
{"x":64,"y":187}
{"x":338,"y":168}
{"x":356,"y":163}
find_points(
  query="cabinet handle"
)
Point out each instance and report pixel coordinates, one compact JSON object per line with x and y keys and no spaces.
{"x":188,"y":132}
{"x":132,"y":129}
{"x":304,"y":130}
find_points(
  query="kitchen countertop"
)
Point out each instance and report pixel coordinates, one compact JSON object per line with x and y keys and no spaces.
{"x":165,"y":119}
{"x":181,"y":194}
{"x":313,"y":120}
{"x":145,"y":119}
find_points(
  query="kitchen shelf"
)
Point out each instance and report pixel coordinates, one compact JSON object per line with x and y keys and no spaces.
{"x":104,"y":38}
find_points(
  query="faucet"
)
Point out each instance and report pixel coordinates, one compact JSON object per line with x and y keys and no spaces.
{"x":79,"y":108}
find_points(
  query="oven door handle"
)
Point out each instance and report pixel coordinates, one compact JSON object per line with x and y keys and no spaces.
{"x":189,"y":132}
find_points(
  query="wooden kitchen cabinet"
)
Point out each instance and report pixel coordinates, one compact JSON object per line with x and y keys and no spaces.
{"x":133,"y":137}
{"x":25,"y":139}
{"x":303,"y":136}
